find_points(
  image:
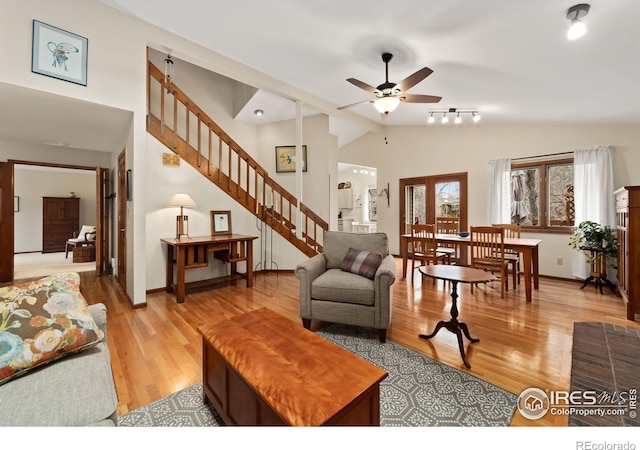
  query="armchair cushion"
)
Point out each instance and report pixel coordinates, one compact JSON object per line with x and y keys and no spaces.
{"x":361,"y":262}
{"x":87,"y":233}
{"x":336,"y":244}
{"x":339,"y":286}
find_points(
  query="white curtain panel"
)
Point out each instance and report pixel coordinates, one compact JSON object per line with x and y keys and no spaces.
{"x":593,"y":194}
{"x":499,"y":198}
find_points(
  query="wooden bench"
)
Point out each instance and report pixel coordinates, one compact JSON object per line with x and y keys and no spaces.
{"x":262,"y":369}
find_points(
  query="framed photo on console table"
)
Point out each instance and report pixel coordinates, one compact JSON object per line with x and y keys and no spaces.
{"x":220,"y":222}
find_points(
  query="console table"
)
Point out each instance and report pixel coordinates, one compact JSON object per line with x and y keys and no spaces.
{"x":192,"y":252}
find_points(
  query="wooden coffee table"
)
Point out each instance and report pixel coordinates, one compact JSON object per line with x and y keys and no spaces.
{"x":456,"y":274}
{"x":262,"y":369}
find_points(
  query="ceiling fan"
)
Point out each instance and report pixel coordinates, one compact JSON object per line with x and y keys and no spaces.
{"x":389,"y":95}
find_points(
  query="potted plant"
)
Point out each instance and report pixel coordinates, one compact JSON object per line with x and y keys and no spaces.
{"x":595,"y":241}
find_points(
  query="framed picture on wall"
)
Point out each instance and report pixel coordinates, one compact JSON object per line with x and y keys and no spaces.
{"x":286,"y":158}
{"x":220,"y":222}
{"x":59,"y":54}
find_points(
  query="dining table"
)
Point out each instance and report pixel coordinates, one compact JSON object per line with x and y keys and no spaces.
{"x":528,"y":247}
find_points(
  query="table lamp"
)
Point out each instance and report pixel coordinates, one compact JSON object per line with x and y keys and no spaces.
{"x":183,"y":201}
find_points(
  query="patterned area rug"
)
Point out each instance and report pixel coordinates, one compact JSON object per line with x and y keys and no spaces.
{"x":605,"y":359}
{"x":419,"y":391}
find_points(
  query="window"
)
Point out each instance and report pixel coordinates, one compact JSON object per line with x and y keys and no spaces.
{"x":542,"y":195}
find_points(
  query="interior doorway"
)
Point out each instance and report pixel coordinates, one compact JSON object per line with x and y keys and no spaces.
{"x":35,"y":180}
{"x":121,"y":271}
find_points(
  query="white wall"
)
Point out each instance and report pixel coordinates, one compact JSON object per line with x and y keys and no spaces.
{"x":28,"y":222}
{"x":428,"y":150}
{"x":119,"y":80}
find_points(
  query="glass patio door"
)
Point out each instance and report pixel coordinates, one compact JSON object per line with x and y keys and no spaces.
{"x":424,"y":199}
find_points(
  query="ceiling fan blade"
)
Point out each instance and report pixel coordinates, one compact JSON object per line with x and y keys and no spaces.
{"x":355,"y":104}
{"x":418,"y":98}
{"x":362,"y":85}
{"x":414,"y":79}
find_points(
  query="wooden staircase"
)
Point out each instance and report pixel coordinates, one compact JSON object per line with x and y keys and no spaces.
{"x":176,"y":121}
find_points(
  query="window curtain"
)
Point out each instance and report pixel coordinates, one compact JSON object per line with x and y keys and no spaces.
{"x":593,"y":194}
{"x":499,"y":201}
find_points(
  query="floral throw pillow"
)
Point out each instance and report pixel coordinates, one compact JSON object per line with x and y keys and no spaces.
{"x":42,"y":321}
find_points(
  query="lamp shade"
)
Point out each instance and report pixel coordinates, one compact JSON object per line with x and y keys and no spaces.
{"x":180,"y":200}
{"x":385,"y":105}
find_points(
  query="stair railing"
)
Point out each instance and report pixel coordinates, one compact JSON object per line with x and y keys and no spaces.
{"x":176,"y":121}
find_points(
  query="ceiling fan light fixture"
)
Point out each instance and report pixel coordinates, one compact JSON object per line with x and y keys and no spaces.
{"x":574,"y":14}
{"x":385,"y":105}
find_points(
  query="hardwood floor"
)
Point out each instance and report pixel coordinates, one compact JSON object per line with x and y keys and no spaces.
{"x":156,"y":350}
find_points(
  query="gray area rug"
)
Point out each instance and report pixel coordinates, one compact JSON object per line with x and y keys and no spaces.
{"x":419,"y":391}
{"x":606,"y":359}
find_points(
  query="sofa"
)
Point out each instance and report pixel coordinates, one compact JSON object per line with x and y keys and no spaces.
{"x":350,"y":282}
{"x":72,"y":389}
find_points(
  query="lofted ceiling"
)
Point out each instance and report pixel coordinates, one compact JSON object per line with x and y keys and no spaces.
{"x":509,"y":59}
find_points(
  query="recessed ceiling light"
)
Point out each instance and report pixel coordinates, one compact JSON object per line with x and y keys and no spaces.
{"x":258,"y":112}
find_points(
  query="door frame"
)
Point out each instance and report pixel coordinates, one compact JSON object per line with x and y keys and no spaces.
{"x":103,"y":222}
{"x":430,"y":181}
{"x":6,"y":222}
{"x":120,"y":271}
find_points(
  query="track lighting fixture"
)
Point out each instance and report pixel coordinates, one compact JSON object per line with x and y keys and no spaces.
{"x":458,"y":118}
{"x":574,"y":14}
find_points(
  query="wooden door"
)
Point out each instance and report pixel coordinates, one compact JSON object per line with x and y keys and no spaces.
{"x":6,"y":222}
{"x":102,"y":221}
{"x":122,"y":220}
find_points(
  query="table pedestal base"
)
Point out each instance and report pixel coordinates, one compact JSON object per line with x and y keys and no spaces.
{"x":457,"y":328}
{"x":599,"y":283}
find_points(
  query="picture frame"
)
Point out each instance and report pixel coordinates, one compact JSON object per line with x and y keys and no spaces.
{"x":220,"y":222}
{"x":286,"y":158}
{"x":59,"y":54}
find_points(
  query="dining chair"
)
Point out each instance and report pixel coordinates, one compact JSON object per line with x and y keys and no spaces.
{"x":448,"y":225}
{"x":512,"y":230}
{"x":423,"y":246}
{"x":487,"y":252}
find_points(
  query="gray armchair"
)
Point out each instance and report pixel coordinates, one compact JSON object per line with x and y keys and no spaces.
{"x":331,"y":294}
